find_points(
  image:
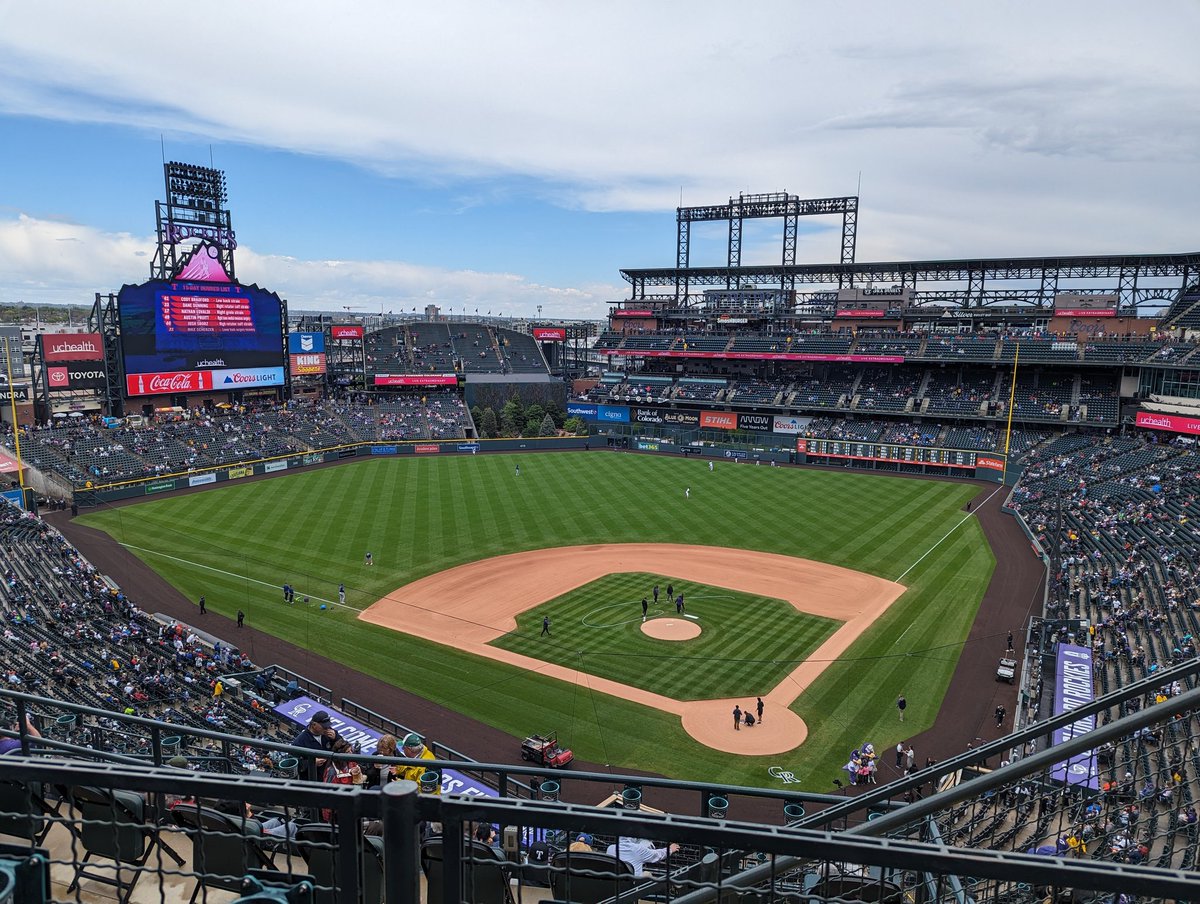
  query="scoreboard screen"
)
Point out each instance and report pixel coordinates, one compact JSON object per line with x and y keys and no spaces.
{"x":918,"y":455}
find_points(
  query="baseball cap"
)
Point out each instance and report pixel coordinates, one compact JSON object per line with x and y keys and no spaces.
{"x":412,"y":739}
{"x":322,"y":717}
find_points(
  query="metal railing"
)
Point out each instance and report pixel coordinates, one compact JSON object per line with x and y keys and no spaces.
{"x":174,"y":833}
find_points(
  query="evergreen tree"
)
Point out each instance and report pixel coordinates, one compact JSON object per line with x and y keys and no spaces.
{"x":548,"y":428}
{"x":488,"y":428}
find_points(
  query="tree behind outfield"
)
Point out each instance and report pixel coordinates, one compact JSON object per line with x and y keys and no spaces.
{"x":548,"y":428}
{"x":488,"y":426}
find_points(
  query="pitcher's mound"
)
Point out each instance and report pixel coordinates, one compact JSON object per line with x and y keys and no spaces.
{"x":671,"y":628}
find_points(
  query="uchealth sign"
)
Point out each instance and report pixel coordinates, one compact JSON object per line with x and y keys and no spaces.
{"x":72,"y":347}
{"x":345,"y":331}
{"x":1155,"y":420}
{"x":720,"y":420}
{"x":549,"y":334}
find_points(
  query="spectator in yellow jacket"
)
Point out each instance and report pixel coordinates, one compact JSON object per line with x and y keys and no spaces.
{"x":413,"y":748}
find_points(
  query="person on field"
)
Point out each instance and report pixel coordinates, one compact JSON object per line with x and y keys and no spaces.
{"x":737,"y":717}
{"x":546,"y":626}
{"x":368,"y":560}
{"x":901,"y":705}
{"x":645,"y":608}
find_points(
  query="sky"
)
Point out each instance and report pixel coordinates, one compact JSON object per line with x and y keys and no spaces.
{"x":388,"y":155}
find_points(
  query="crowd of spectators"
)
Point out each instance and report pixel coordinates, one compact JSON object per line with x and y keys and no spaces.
{"x":87,"y":453}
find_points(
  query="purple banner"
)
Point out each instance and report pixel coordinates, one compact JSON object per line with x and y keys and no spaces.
{"x":301,"y":709}
{"x":1073,"y":688}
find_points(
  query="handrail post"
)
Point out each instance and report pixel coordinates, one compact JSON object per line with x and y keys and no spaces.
{"x":402,"y":849}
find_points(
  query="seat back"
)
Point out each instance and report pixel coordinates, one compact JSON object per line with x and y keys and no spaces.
{"x":485,"y":873}
{"x":112,"y":823}
{"x":224,"y":849}
{"x":21,"y":811}
{"x":587,"y":877}
{"x":319,"y":845}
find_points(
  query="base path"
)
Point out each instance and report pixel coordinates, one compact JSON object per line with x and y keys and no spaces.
{"x":469,"y":606}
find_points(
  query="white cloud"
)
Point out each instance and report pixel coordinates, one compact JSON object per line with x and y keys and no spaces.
{"x":73,"y":262}
{"x":979,"y":130}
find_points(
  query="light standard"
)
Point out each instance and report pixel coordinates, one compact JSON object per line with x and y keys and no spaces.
{"x":12,"y":401}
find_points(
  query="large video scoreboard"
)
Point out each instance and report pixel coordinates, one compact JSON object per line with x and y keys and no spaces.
{"x":179,"y":336}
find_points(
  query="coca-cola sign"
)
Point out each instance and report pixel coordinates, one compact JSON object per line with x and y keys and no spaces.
{"x":72,"y":347}
{"x":168,"y":383}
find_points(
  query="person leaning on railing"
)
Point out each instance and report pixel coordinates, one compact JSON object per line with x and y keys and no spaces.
{"x":12,"y":746}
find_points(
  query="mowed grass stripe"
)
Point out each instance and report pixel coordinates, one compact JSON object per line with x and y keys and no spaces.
{"x":572,"y":499}
{"x":747,"y":642}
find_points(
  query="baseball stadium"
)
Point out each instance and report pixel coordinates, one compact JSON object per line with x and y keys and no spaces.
{"x":860,"y":581}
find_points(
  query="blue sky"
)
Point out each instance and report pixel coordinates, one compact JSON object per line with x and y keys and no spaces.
{"x":508,"y":156}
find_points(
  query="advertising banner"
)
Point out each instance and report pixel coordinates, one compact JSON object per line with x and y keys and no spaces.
{"x":757,"y":423}
{"x":238,"y":473}
{"x":588,"y":412}
{"x":416,"y":379}
{"x":301,"y":709}
{"x":170,"y":382}
{"x":346,"y":331}
{"x":312,"y":458}
{"x":647,"y":447}
{"x":647,"y":415}
{"x":802,"y":445}
{"x":468,"y":447}
{"x":550,"y":334}
{"x":250,"y":376}
{"x":762,"y":356}
{"x":859,"y":312}
{"x":306,"y":365}
{"x":1084,"y":312}
{"x":19,"y":393}
{"x":1073,"y":688}
{"x":384,"y":450}
{"x":72,"y":347}
{"x":66,"y":377}
{"x":629,"y":312}
{"x":987,"y":461}
{"x":615,"y":413}
{"x":1155,"y":420}
{"x":306,"y":343}
{"x":159,"y":486}
{"x":789,"y":424}
{"x":719,"y":420}
{"x":272,"y":466}
{"x":201,"y":479}
{"x":681,"y":418}
{"x":427,"y":448}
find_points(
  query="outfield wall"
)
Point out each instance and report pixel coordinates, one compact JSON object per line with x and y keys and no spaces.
{"x":283,"y":464}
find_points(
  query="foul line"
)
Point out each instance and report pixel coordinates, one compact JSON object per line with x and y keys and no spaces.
{"x":965,"y":518}
{"x":231,"y":574}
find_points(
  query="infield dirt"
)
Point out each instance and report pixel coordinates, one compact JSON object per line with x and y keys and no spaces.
{"x":469,"y":606}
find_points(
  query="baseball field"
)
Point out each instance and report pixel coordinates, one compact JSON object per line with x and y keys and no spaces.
{"x":419,"y":517}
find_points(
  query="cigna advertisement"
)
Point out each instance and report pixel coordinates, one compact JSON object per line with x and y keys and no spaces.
{"x":198,"y":336}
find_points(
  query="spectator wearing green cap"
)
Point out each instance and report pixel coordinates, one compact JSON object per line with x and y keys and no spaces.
{"x":413,"y":748}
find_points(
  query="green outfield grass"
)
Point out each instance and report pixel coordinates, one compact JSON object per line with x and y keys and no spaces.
{"x":746,"y":646}
{"x":419,"y":515}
